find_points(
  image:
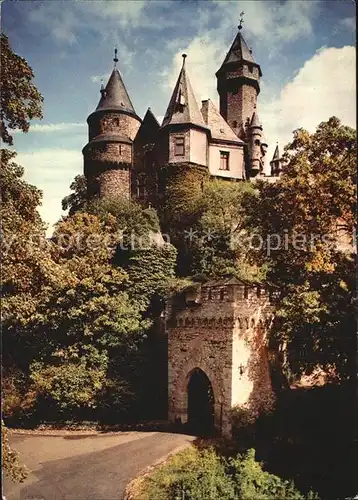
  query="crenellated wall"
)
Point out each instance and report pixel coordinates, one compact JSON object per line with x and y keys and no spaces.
{"x":220,"y":327}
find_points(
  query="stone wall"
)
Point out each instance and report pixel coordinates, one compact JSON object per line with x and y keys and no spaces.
{"x":115,"y":183}
{"x":220,"y":328}
{"x":112,"y":122}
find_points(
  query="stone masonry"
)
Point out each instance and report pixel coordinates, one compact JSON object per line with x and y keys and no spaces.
{"x":220,"y":327}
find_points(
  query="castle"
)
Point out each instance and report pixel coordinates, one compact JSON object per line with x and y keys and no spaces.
{"x":124,"y":153}
{"x":216,"y":331}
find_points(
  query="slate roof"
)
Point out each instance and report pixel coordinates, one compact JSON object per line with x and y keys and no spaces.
{"x":219,"y":129}
{"x":255,"y":121}
{"x":183,"y":107}
{"x":239,"y":51}
{"x":115,"y":95}
{"x":276,"y":155}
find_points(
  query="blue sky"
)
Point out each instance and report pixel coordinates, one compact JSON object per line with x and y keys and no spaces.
{"x":306,"y":50}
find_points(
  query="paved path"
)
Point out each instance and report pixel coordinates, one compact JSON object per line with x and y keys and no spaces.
{"x":92,"y":467}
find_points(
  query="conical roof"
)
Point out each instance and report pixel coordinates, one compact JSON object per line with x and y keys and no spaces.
{"x":276,"y":155}
{"x":183,"y":107}
{"x":255,"y":121}
{"x":115,"y":95}
{"x":239,"y":52}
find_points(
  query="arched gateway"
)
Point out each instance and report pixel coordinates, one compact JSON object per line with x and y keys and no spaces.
{"x":200,"y":403}
{"x":217,"y":356}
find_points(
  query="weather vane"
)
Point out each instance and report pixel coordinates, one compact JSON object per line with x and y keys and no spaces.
{"x":241,"y":20}
{"x":115,"y":59}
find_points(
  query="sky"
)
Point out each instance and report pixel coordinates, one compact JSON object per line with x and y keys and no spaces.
{"x":306,"y":49}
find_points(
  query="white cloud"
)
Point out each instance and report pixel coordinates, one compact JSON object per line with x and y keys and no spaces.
{"x":64,"y":19}
{"x":99,"y":78}
{"x":324,"y":87}
{"x":348,"y":22}
{"x":53,"y":127}
{"x":276,"y":23}
{"x":122,"y":11}
{"x":273,"y":23}
{"x":52,"y":171}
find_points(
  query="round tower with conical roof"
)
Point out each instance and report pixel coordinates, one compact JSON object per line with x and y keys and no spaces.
{"x":108,"y":156}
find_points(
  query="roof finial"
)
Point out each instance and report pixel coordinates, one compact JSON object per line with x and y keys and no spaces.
{"x":184,"y":57}
{"x":241,"y":20}
{"x":115,"y":59}
{"x":102,"y":87}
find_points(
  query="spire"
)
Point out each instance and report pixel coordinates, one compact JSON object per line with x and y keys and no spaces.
{"x":276,"y":155}
{"x":114,"y":95}
{"x":255,"y":121}
{"x":115,"y":59}
{"x":183,"y":107}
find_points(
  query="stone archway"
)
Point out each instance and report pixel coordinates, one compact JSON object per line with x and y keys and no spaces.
{"x":201,"y":413}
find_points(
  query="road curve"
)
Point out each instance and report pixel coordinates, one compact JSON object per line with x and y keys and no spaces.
{"x":86,"y":467}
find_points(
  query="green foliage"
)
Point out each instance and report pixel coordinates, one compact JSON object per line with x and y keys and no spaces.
{"x":78,"y":199}
{"x":20,"y":99}
{"x":251,"y":481}
{"x":200,"y":475}
{"x":219,"y":248}
{"x":10,"y":459}
{"x":309,"y":210}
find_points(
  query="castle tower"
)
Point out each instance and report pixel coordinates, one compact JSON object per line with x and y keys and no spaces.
{"x":219,"y":329}
{"x":255,"y":136}
{"x":183,"y":133}
{"x":276,"y":163}
{"x":108,"y":156}
{"x":238,"y":84}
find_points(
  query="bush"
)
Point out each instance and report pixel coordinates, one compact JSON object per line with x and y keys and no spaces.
{"x":204,"y":475}
{"x":10,"y":459}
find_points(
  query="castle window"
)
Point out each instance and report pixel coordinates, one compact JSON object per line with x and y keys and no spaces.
{"x":257,"y":142}
{"x":210,"y":294}
{"x":179,"y":146}
{"x":234,"y":123}
{"x":224,"y":160}
{"x":222,"y":294}
{"x":251,"y":68}
{"x":140,"y":188}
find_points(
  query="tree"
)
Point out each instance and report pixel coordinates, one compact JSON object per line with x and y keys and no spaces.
{"x":10,"y":459}
{"x":218,"y":246}
{"x":20,"y":99}
{"x":76,"y":200}
{"x":302,"y":220}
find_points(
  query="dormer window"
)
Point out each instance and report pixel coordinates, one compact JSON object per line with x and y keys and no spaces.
{"x":224,"y":160}
{"x":179,"y":146}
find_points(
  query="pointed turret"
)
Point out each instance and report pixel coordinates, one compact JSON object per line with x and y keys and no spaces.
{"x":239,"y":52}
{"x":115,"y":95}
{"x":183,"y":107}
{"x":255,"y":121}
{"x":276,"y":155}
{"x":254,"y":137}
{"x":276,"y":163}
{"x":238,"y":84}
